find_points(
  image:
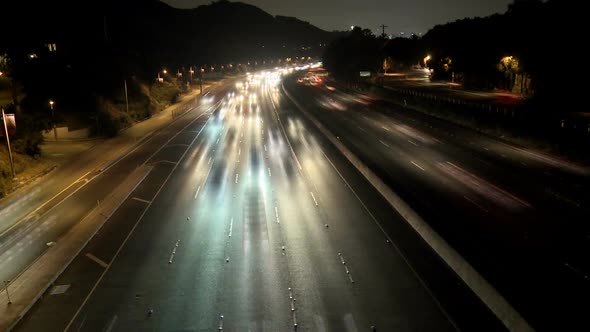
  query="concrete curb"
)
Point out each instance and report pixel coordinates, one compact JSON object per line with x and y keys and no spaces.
{"x":481,"y":287}
{"x":62,"y":254}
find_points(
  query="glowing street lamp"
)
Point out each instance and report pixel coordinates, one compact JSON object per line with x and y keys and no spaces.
{"x":51,"y":104}
{"x":426,"y":59}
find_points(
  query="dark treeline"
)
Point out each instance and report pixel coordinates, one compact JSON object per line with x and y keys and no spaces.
{"x":522,"y":50}
{"x":79,"y":54}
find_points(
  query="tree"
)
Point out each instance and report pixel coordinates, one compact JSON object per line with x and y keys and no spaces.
{"x":359,"y":51}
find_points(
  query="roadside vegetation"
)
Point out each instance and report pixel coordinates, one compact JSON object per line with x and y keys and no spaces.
{"x":516,"y":52}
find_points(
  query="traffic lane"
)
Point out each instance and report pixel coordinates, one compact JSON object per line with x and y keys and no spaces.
{"x":566,"y":239}
{"x":27,"y":241}
{"x":255,"y":292}
{"x":486,"y":147}
{"x":343,"y":231}
{"x":204,"y":195}
{"x":422,"y":127}
{"x":445,"y":158}
{"x":489,"y":253}
{"x":156,"y":237}
{"x":81,"y":275}
{"x":509,"y":165}
{"x":459,"y":302}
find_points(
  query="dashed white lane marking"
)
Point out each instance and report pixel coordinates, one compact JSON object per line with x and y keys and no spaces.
{"x":346,"y":268}
{"x":231,"y":226}
{"x":173,"y":252}
{"x":111,"y":324}
{"x":474,"y":203}
{"x":359,"y":127}
{"x":197,"y":193}
{"x":97,"y":260}
{"x":216,"y":142}
{"x":239,"y":152}
{"x":264,"y":147}
{"x":237,"y":177}
{"x":314,"y":200}
{"x":385,"y":128}
{"x":165,"y":162}
{"x":413,"y":163}
{"x":412,"y":142}
{"x":209,"y":162}
{"x":269,"y":174}
{"x":383,"y":143}
{"x":140,"y":200}
{"x":277,"y":215}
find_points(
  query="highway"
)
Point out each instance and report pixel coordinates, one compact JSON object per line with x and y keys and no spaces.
{"x":517,"y":215}
{"x":252,"y":221}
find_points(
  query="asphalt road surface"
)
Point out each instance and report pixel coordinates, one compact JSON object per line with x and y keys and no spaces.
{"x":251,"y":221}
{"x":518,"y":216}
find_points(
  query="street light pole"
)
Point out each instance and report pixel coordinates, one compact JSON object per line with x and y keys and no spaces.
{"x":201,"y":79}
{"x":9,"y":149}
{"x":6,"y":288}
{"x":51,"y":103}
{"x":126,"y":97}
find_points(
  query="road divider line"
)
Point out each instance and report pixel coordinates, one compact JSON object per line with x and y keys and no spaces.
{"x":293,"y":308}
{"x":346,"y":270}
{"x":413,"y":163}
{"x":387,"y":145}
{"x":97,"y":260}
{"x":231,"y":226}
{"x":505,"y":312}
{"x":197,"y":193}
{"x":314,"y":200}
{"x":111,"y":324}
{"x":412,"y":142}
{"x":141,"y":200}
{"x":277,"y":215}
{"x":237,"y":175}
{"x":173,"y":252}
{"x":269,"y":174}
{"x":476,"y":204}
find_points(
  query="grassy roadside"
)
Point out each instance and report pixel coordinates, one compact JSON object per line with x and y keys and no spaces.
{"x":26,"y":168}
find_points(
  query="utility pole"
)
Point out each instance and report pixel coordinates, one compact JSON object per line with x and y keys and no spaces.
{"x":383,"y":26}
{"x":201,"y":79}
{"x":126,"y":97}
{"x":10,"y":157}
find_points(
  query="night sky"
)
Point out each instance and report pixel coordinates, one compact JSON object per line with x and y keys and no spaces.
{"x":400,"y":15}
